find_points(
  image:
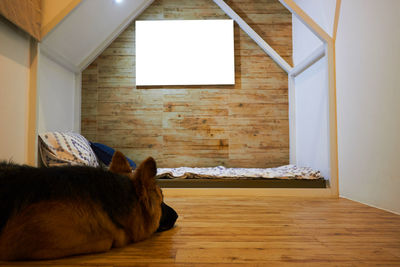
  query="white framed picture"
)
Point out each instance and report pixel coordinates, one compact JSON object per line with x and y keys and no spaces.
{"x":185,"y":52}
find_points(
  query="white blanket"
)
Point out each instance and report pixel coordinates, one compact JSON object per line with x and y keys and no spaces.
{"x":283,"y":172}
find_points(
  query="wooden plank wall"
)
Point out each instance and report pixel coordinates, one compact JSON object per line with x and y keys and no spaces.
{"x":26,"y":14}
{"x":245,"y":125}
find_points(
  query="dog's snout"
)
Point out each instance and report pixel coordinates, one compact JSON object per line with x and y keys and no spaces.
{"x":168,"y":217}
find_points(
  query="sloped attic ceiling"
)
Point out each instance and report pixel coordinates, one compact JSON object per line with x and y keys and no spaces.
{"x":88,"y":30}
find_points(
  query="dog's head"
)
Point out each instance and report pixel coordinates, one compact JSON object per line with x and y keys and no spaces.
{"x":147,"y":190}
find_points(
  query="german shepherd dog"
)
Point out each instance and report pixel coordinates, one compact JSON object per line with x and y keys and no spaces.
{"x":48,"y":213}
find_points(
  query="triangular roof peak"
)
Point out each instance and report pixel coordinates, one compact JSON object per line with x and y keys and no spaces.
{"x":75,"y":46}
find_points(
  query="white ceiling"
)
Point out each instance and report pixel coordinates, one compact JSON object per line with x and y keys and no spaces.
{"x":88,"y":30}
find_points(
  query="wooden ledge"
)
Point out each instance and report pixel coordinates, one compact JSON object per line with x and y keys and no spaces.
{"x":255,"y":192}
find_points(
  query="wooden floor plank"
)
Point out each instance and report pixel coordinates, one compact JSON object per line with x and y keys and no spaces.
{"x":260,"y":231}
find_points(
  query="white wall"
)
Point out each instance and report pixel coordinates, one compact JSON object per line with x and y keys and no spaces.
{"x":57,"y":97}
{"x":14,"y":83}
{"x":312,"y":128}
{"x":311,"y":90}
{"x":368,"y":93}
{"x":368,"y":96}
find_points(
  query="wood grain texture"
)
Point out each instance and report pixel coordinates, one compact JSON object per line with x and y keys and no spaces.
{"x":26,"y":14}
{"x":244,"y":125}
{"x":260,"y":231}
{"x":31,"y":109}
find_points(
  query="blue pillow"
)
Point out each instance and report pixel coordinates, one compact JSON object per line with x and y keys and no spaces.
{"x":105,"y":153}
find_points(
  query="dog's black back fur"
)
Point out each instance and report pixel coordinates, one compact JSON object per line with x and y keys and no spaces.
{"x":21,"y":185}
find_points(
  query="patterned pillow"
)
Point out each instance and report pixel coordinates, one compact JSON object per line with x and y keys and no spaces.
{"x":59,"y":149}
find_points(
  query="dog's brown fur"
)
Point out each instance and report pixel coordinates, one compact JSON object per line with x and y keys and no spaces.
{"x":53,"y":229}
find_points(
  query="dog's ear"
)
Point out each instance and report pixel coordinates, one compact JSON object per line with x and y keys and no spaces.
{"x":119,"y":164}
{"x":146,"y":171}
{"x":144,"y":177}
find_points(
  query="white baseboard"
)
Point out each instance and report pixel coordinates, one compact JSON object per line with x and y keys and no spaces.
{"x":370,"y":205}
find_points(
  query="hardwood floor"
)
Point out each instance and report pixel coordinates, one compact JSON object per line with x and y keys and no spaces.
{"x":260,"y":231}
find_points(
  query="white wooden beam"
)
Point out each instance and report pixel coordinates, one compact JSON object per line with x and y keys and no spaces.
{"x":309,"y":61}
{"x":78,"y":102}
{"x":292,"y":120}
{"x":253,"y":35}
{"x":307,"y":20}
